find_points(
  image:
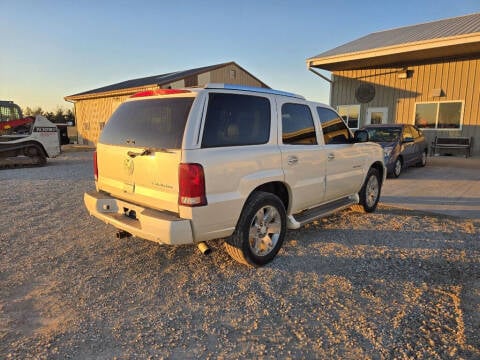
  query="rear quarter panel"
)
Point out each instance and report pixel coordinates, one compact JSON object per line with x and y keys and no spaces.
{"x":231,"y":174}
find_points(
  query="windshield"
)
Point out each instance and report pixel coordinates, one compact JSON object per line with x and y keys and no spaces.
{"x":9,"y":111}
{"x":384,"y":134}
{"x":152,"y":123}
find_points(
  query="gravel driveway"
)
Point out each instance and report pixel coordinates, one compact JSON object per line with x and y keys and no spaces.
{"x":395,"y":284}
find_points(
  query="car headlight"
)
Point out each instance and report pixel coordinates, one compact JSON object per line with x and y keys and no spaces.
{"x":386,"y":152}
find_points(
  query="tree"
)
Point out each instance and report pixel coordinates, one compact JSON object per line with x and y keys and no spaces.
{"x":70,"y":117}
{"x":49,"y":115}
{"x":28,"y":111}
{"x":60,"y":116}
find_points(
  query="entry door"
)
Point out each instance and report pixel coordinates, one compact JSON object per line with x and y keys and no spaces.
{"x":377,"y":116}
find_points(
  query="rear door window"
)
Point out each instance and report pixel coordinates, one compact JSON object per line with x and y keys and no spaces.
{"x":235,"y":120}
{"x":297,"y":125}
{"x":407,"y":133}
{"x":153,"y":123}
{"x":414,"y":132}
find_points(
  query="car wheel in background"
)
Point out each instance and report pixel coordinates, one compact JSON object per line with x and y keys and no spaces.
{"x":397,"y":169}
{"x":423,"y":159}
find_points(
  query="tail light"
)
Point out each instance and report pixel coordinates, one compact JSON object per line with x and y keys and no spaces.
{"x":95,"y":166}
{"x":191,"y":181}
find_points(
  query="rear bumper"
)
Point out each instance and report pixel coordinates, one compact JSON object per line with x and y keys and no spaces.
{"x":149,"y":224}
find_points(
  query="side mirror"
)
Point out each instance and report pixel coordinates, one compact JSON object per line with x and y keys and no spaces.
{"x":361,"y":136}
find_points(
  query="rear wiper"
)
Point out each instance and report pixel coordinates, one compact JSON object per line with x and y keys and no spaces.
{"x":147,"y":151}
{"x":133,"y":154}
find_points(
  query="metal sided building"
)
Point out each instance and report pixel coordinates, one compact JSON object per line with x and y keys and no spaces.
{"x":426,"y":74}
{"x":94,"y":107}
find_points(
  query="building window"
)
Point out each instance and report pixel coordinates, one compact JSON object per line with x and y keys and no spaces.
{"x":233,"y":74}
{"x":439,"y":115}
{"x":191,"y":81}
{"x":350,"y":114}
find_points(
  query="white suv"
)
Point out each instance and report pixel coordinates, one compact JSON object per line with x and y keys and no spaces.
{"x":184,"y":166}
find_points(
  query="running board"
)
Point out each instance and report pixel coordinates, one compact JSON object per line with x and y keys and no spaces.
{"x":306,"y":216}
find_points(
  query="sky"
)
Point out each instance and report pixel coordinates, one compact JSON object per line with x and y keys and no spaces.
{"x":54,"y":48}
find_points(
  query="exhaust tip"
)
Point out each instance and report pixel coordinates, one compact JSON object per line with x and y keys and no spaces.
{"x":122,"y":234}
{"x":204,"y":248}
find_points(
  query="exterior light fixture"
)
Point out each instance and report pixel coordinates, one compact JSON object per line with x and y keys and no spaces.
{"x":403,"y":74}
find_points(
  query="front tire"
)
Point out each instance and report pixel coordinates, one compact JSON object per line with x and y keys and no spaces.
{"x":370,"y":192}
{"x":260,"y":230}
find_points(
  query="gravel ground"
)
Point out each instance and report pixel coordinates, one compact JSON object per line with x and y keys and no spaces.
{"x":395,"y":284}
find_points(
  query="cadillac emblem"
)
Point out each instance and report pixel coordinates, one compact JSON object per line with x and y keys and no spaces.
{"x":128,"y":165}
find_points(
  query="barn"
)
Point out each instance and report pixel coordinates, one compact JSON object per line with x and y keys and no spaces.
{"x":94,"y":107}
{"x":426,"y":74}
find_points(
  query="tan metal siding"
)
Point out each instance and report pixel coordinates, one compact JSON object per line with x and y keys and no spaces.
{"x":459,"y":80}
{"x":223,"y":75}
{"x":92,"y":114}
{"x":203,"y":79}
{"x":473,"y":95}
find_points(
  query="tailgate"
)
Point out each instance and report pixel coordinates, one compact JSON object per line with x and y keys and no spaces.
{"x":148,"y":179}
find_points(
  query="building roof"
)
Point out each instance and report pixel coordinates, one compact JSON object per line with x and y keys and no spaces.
{"x":152,"y":81}
{"x":459,"y":36}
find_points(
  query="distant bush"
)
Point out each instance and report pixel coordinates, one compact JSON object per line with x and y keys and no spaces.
{"x":59,"y":116}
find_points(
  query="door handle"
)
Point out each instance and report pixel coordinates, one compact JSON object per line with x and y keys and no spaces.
{"x":292,"y":160}
{"x":331,"y":156}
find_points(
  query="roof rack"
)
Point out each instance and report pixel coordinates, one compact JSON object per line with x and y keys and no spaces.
{"x":252,"y":88}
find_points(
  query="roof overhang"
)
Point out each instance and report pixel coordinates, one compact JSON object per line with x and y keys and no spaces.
{"x":402,"y":54}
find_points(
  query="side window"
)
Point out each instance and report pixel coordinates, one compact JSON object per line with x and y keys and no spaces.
{"x":297,"y":125}
{"x":334,"y":129}
{"x":407,"y":132}
{"x":235,"y":120}
{"x":414,"y":131}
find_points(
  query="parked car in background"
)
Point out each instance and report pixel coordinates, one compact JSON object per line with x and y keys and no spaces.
{"x":403,"y":145}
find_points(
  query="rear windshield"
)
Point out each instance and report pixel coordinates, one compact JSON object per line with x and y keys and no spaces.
{"x":157,"y":123}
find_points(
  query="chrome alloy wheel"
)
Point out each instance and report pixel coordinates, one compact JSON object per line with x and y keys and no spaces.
{"x":372,"y":191}
{"x":424,"y":158}
{"x":398,"y":168}
{"x":264,"y":231}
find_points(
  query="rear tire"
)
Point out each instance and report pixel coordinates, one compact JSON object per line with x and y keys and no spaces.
{"x":423,"y":160}
{"x":260,"y":230}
